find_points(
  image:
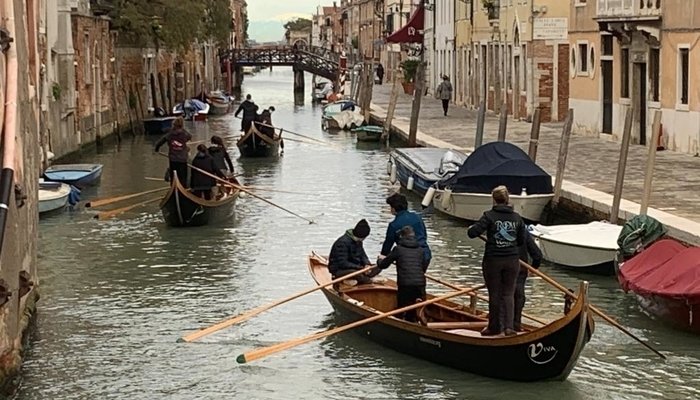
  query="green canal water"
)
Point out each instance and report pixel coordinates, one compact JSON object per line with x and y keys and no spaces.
{"x":117,"y":294}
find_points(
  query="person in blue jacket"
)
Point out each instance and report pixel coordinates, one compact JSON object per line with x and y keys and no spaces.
{"x":403,"y":217}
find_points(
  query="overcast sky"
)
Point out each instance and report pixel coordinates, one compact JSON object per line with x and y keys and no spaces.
{"x":267,"y":16}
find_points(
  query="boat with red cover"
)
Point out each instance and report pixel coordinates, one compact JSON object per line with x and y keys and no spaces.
{"x":665,"y":278}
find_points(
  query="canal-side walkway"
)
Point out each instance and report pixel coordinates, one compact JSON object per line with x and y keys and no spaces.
{"x":591,"y":166}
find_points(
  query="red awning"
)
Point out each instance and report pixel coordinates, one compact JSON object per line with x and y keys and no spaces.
{"x":412,"y":32}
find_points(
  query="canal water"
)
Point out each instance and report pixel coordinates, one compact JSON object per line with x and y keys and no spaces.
{"x":117,"y":294}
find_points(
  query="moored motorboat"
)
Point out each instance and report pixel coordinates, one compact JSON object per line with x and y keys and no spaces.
{"x":53,"y":196}
{"x":257,"y":144}
{"x":192,"y":109}
{"x":665,"y":278}
{"x":368,"y":133}
{"x":449,"y":332}
{"x":467,"y":193}
{"x":181,"y":208}
{"x":588,"y":247}
{"x":158,"y":125}
{"x":341,"y":114}
{"x":79,"y":175}
{"x":419,"y":168}
{"x":219,"y":102}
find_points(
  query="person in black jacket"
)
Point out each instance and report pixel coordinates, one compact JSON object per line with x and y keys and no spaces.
{"x":250,"y":113}
{"x":221,"y":158}
{"x":348,"y":255}
{"x":505,"y":233}
{"x":409,"y":257}
{"x":530,"y":249}
{"x":202,"y":183}
{"x":178,"y":152}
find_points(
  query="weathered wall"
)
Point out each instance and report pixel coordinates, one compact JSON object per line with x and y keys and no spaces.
{"x":19,"y":250}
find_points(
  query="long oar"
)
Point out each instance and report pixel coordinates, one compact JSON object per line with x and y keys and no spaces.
{"x":480,"y":297}
{"x":292,"y":132}
{"x":593,"y":308}
{"x":241,"y":188}
{"x":251,"y":313}
{"x":112,"y":213}
{"x":269,"y":350}
{"x":110,"y":200}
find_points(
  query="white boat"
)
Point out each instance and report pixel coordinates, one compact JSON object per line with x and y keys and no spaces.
{"x":53,"y":196}
{"x":419,"y":168}
{"x":471,"y":206}
{"x":590,"y":247}
{"x":467,"y":193}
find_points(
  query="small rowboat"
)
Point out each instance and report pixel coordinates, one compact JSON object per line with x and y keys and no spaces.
{"x":181,"y":208}
{"x":419,"y":168}
{"x":449,"y":332}
{"x":158,"y":125}
{"x":256,"y":144}
{"x":53,"y":196}
{"x":368,"y":133}
{"x":79,"y":175}
{"x":588,"y":247}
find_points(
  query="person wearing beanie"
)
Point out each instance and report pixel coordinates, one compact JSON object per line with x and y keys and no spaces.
{"x":347,"y":254}
{"x":410,"y":271}
{"x":403,"y":217}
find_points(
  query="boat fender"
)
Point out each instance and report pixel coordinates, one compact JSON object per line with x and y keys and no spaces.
{"x":428,"y":198}
{"x":409,"y":184}
{"x":388,"y":166}
{"x":446,"y":197}
{"x":392,"y":175}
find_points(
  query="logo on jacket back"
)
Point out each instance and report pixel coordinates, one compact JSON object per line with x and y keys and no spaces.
{"x":176,"y":145}
{"x":506,"y":232}
{"x":541,"y":354}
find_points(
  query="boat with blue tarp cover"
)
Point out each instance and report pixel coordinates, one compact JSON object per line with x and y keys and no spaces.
{"x":467,"y":193}
{"x":419,"y":168}
{"x":79,"y":175}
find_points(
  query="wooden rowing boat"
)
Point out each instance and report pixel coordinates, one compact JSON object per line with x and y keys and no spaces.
{"x":449,"y":332}
{"x":256,"y":144}
{"x":181,"y":208}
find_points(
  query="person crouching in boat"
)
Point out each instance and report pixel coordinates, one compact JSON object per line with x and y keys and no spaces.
{"x":535,"y":254}
{"x":202,"y":184}
{"x":264,"y":124}
{"x":178,"y":152}
{"x":347,"y":254}
{"x":505,"y":233}
{"x":409,"y":257}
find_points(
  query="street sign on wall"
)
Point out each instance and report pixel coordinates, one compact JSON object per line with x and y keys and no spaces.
{"x":550,"y":28}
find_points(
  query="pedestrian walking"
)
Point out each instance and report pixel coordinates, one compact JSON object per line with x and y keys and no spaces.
{"x":444,"y":93}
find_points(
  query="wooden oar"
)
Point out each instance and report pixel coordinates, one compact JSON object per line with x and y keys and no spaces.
{"x":292,"y":132}
{"x":305,"y":142}
{"x":480,"y":297}
{"x":593,"y":308}
{"x":110,"y":200}
{"x":269,"y":350}
{"x":112,"y":213}
{"x":241,"y":188}
{"x":251,"y":313}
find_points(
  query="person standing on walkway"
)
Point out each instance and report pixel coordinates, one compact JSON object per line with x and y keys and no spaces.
{"x":444,"y":93}
{"x":529,"y":253}
{"x":178,"y":152}
{"x":505,"y":234}
{"x":380,"y":73}
{"x":410,"y":271}
{"x":250,"y":113}
{"x":403,"y":217}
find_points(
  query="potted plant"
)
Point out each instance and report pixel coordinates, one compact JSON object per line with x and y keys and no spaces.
{"x":409,"y":68}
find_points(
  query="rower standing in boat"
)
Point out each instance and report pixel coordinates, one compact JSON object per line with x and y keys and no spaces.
{"x":347,"y":254}
{"x":202,"y":184}
{"x":403,"y":217}
{"x":409,"y":257}
{"x":178,"y":152}
{"x":530,"y":253}
{"x":220,"y":155}
{"x":505,"y":233}
{"x":250,"y":112}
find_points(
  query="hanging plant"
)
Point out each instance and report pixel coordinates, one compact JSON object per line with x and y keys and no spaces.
{"x":56,"y":91}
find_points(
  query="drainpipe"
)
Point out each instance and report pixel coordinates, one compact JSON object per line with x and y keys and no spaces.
{"x":10,"y":123}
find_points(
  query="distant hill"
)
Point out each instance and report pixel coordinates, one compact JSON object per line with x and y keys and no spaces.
{"x":266,"y":31}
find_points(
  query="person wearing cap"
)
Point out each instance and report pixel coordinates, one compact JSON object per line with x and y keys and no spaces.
{"x":410,"y":271}
{"x":347,"y":254}
{"x":403,"y":217}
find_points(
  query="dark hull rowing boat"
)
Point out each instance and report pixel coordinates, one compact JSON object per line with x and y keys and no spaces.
{"x":181,"y":208}
{"x":256,"y":144}
{"x":449,"y":332}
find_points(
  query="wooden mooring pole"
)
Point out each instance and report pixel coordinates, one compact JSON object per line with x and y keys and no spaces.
{"x":621,"y":166}
{"x":651,"y":161}
{"x":563,"y":152}
{"x":503,"y":122}
{"x":534,"y":135}
{"x":480,"y":120}
{"x":393,"y":99}
{"x":415,"y":107}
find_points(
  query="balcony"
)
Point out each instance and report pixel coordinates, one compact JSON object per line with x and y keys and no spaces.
{"x":628,"y":10}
